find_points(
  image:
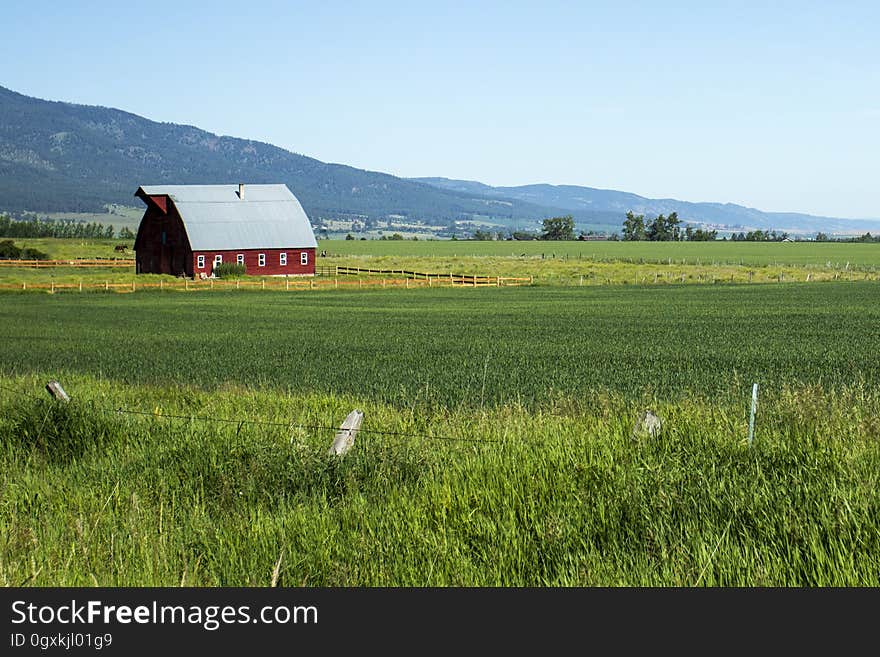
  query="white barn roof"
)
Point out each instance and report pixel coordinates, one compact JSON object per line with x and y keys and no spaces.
{"x":216,"y":219}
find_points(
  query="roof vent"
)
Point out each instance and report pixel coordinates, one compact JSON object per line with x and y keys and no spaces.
{"x":241,"y":191}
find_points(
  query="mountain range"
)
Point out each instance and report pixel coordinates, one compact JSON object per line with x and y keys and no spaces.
{"x":64,"y":157}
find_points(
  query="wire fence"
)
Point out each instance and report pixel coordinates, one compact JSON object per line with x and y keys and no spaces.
{"x":241,"y":421}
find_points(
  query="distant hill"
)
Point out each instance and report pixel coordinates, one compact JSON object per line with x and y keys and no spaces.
{"x":607,"y":202}
{"x":63,"y":157}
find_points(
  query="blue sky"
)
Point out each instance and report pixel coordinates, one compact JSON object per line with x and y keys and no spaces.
{"x":771,"y":105}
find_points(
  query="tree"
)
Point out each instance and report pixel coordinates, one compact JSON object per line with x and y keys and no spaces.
{"x":672,"y":223}
{"x":634,"y":227}
{"x":558,"y":228}
{"x":126,"y":234}
{"x":482,"y":235}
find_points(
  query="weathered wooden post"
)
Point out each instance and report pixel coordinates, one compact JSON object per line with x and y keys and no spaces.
{"x":57,"y":391}
{"x":344,"y":438}
{"x":752,"y":413}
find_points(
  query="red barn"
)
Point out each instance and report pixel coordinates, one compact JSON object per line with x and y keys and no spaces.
{"x":187,"y":229}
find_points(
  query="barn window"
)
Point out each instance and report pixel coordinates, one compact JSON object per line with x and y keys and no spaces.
{"x":218,"y":259}
{"x":261,"y":260}
{"x":200,"y":261}
{"x":304,"y":258}
{"x":240,"y":258}
{"x":283,"y":259}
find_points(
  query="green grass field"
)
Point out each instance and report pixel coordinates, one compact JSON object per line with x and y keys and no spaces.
{"x":457,"y":346}
{"x":703,"y":253}
{"x":497,"y":447}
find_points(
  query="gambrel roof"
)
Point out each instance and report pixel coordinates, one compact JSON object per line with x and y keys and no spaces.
{"x":217,"y":219}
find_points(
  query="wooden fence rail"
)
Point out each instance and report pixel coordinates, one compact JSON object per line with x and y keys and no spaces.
{"x":473,"y":280}
{"x":286,"y":284}
{"x":75,"y":262}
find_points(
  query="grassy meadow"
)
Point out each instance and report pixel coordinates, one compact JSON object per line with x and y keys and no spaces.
{"x":498,"y":446}
{"x":817,"y":254}
{"x":545,"y":263}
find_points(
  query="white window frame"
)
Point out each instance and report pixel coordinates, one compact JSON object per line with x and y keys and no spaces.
{"x":239,"y":259}
{"x":282,"y":259}
{"x":304,"y":258}
{"x":218,"y":260}
{"x":200,"y":262}
{"x":261,"y":260}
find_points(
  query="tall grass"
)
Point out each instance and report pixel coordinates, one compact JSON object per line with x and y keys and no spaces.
{"x":564,"y":495}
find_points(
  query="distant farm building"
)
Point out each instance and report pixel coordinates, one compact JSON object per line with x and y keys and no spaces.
{"x":189,"y":229}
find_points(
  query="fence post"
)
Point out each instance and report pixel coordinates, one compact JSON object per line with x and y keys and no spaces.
{"x":53,"y":287}
{"x":752,"y":414}
{"x":406,"y":282}
{"x":185,"y":283}
{"x":344,"y":438}
{"x":57,"y":391}
{"x":263,"y":284}
{"x":287,"y":284}
{"x":383,"y":282}
{"x":106,"y":285}
{"x":161,"y":284}
{"x":335,"y":283}
{"x":80,"y":285}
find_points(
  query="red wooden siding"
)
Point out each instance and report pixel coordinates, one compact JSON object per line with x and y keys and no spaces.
{"x":162,"y":246}
{"x":272,"y":267}
{"x":160,"y":201}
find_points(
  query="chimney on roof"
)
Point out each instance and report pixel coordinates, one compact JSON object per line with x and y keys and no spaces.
{"x":241,"y":191}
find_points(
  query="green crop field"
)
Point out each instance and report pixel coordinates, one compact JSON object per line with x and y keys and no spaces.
{"x":498,"y":447}
{"x":705,"y":253}
{"x":457,"y":346}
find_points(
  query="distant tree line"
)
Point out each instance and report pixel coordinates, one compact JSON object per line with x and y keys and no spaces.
{"x":759,"y":236}
{"x":867,"y":237}
{"x":662,"y":229}
{"x":35,"y":227}
{"x":555,"y":229}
